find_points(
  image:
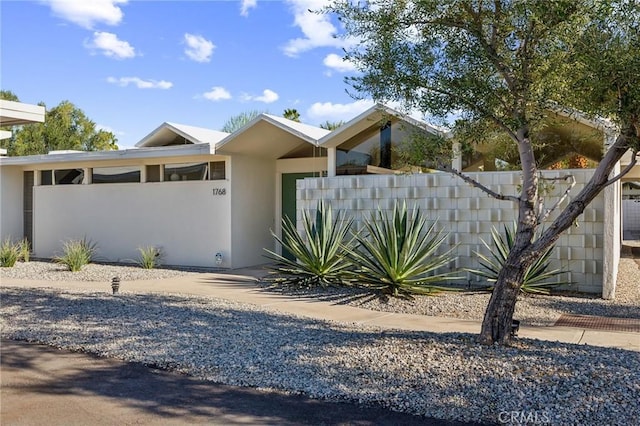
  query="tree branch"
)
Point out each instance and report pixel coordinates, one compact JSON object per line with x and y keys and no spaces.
{"x":474,"y":105}
{"x":477,"y":184}
{"x":626,"y":170}
{"x":572,"y":183}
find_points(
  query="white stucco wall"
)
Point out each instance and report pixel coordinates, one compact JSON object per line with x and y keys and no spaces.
{"x":186,"y":219}
{"x":252,"y":204}
{"x":11,"y":192}
{"x":467,"y":214}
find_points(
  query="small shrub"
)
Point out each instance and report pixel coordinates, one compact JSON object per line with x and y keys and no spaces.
{"x":321,"y":251}
{"x":536,"y":279}
{"x":397,"y":257}
{"x":150,"y":257}
{"x":77,"y":253}
{"x":25,"y":250}
{"x":9,"y":253}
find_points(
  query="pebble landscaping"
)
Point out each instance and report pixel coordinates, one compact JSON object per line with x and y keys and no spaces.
{"x":443,"y":375}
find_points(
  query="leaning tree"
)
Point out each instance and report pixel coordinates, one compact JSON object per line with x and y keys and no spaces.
{"x":503,"y":64}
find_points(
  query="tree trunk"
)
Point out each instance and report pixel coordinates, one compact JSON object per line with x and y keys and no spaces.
{"x":498,"y":318}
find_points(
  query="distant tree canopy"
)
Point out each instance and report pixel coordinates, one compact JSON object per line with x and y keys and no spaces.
{"x":240,"y":120}
{"x":8,"y":95}
{"x":65,"y":127}
{"x":291,"y":114}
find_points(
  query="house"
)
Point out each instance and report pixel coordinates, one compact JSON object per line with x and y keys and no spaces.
{"x":193,"y":192}
{"x":211,"y":199}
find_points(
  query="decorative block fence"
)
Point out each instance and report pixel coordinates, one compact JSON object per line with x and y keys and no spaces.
{"x":468,"y":215}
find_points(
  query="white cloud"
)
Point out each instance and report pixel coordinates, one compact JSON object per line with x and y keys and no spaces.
{"x":217,"y":93}
{"x":337,"y":63}
{"x":111,"y":46}
{"x":318,"y":29}
{"x":322,"y":111}
{"x":246,"y":5}
{"x":88,"y":13}
{"x":198,"y":48}
{"x":140,"y":83}
{"x":268,"y":96}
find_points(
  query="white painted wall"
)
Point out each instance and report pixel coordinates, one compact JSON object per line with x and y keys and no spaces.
{"x":467,"y":214}
{"x":184,"y":218}
{"x":11,"y":193}
{"x":252,"y":204}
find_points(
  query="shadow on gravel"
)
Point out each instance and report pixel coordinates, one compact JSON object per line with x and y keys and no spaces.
{"x":243,"y":345}
{"x":173,"y":396}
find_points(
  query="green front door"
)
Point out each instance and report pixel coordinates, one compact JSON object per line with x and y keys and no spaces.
{"x":289,"y":200}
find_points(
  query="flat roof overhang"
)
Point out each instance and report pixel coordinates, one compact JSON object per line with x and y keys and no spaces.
{"x":127,"y":154}
{"x":17,"y":113}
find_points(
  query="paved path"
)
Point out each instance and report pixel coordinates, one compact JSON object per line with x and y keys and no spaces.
{"x":240,"y":286}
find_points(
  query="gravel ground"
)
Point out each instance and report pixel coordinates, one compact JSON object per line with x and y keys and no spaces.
{"x":530,"y":309}
{"x":440,"y":375}
{"x":51,"y":271}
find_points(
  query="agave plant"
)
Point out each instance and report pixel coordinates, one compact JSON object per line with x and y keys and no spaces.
{"x":320,"y":251}
{"x":397,"y":257}
{"x":537,"y":276}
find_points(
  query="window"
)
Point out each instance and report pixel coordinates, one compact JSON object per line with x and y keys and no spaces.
{"x":127,"y":174}
{"x":45,"y":177}
{"x":68,"y":176}
{"x":217,"y":170}
{"x":153,"y":173}
{"x":178,"y":172}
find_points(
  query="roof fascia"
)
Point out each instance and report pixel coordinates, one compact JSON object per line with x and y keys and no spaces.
{"x":377,"y":108}
{"x":137,"y":153}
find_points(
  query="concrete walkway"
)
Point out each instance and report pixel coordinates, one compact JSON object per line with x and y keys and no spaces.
{"x":240,"y":286}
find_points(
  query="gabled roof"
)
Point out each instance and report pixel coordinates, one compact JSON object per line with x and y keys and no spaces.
{"x":270,"y":136}
{"x":308,"y":130}
{"x":167,"y":134}
{"x":16,"y":113}
{"x":370,"y":118}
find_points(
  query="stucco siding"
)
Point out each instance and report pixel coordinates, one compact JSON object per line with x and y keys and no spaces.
{"x":468,"y":215}
{"x":185,"y":219}
{"x":11,"y":193}
{"x":254,"y":192}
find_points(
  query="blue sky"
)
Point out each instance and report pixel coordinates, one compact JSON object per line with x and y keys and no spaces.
{"x":131,"y":65}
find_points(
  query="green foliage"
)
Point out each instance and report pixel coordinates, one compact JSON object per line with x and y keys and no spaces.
{"x":77,"y":253}
{"x":9,"y":253}
{"x":8,"y":95}
{"x":240,"y":120}
{"x":537,"y":276}
{"x":398,"y":257}
{"x":291,"y":114}
{"x":66,"y":127}
{"x":25,"y":249}
{"x":150,"y":257}
{"x":331,"y":125}
{"x":321,"y":250}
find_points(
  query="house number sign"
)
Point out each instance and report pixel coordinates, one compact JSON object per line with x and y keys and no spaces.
{"x":219,"y":191}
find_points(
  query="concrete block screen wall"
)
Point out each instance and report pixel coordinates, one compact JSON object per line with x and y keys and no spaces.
{"x":468,"y":215}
